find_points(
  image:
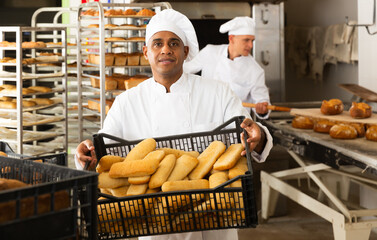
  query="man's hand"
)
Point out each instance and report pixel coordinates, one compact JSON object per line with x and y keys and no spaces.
{"x":261,"y":108}
{"x":85,"y":153}
{"x":256,"y":137}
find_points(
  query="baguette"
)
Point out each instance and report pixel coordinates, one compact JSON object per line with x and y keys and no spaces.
{"x":179,"y":153}
{"x":137,"y":189}
{"x":42,"y":101}
{"x":228,"y":159}
{"x":184,"y":165}
{"x":105,"y":181}
{"x":106,"y":162}
{"x":40,"y":89}
{"x":137,"y":168}
{"x":185,"y":185}
{"x":142,"y":149}
{"x":139,"y":180}
{"x":207,"y":159}
{"x":165,"y":168}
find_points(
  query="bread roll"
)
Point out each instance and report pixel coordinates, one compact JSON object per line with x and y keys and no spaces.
{"x":332,"y":107}
{"x":239,"y":169}
{"x":360,"y":128}
{"x":371,"y":133}
{"x":228,"y":159}
{"x":185,"y":185}
{"x":207,"y":159}
{"x":164,"y":169}
{"x":184,"y":165}
{"x":179,"y":153}
{"x":217,"y":179}
{"x":145,"y":12}
{"x":119,"y":192}
{"x":40,"y":89}
{"x":106,"y":162}
{"x":142,"y":149}
{"x":137,"y":189}
{"x":137,"y":168}
{"x":129,"y":12}
{"x":139,"y":180}
{"x":323,"y":126}
{"x":105,"y":191}
{"x":105,"y":181}
{"x":343,"y":131}
{"x":302,"y":122}
{"x":360,"y":110}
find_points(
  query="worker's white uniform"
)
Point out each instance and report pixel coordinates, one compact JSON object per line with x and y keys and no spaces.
{"x":243,"y":74}
{"x":193,"y":105}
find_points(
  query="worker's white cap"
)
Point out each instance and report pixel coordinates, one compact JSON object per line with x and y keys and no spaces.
{"x":239,"y":26}
{"x":177,"y":23}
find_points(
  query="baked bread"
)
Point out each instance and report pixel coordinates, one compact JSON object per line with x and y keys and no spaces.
{"x":3,"y":154}
{"x":120,"y":59}
{"x":228,"y":159}
{"x":93,"y":26}
{"x":114,"y":39}
{"x":95,"y":59}
{"x":106,"y":161}
{"x":140,"y":39}
{"x":7,"y":44}
{"x":5,"y":98}
{"x":323,"y":126}
{"x":302,"y":122}
{"x":371,"y":133}
{"x":129,"y":12}
{"x":8,"y":105}
{"x":13,"y":91}
{"x":360,"y":110}
{"x":110,"y":84}
{"x":143,"y":60}
{"x":360,"y":128}
{"x":185,"y":185}
{"x":332,"y":107}
{"x":133,"y":59}
{"x":164,"y":169}
{"x":110,"y":25}
{"x":40,"y":89}
{"x":145,"y":12}
{"x":343,"y":131}
{"x":34,"y":45}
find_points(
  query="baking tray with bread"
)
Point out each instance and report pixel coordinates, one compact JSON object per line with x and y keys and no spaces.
{"x":37,"y":199}
{"x":174,"y":184}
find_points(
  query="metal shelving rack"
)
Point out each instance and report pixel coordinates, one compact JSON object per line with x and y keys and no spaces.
{"x":17,"y":74}
{"x":102,"y":47}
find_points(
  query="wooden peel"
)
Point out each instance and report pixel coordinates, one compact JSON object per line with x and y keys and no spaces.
{"x":269,"y":107}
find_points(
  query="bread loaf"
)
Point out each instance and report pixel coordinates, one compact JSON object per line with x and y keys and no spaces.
{"x":371,"y":133}
{"x":185,"y":185}
{"x":133,"y":59}
{"x":184,"y":165}
{"x":120,"y":59}
{"x":164,"y":169}
{"x":137,"y":189}
{"x":42,"y":101}
{"x":179,"y":153}
{"x":8,"y":105}
{"x":142,"y":149}
{"x":343,"y":131}
{"x":40,"y":89}
{"x":323,"y":126}
{"x":239,"y":169}
{"x":360,"y":110}
{"x":137,"y":168}
{"x":139,"y":180}
{"x":206,"y":159}
{"x":228,"y":159}
{"x":332,"y":107}
{"x":105,"y":181}
{"x":119,"y":192}
{"x":106,"y":162}
{"x":133,"y":82}
{"x":302,"y":122}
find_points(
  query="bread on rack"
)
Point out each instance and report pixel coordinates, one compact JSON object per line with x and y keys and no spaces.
{"x":109,"y":25}
{"x":360,"y":110}
{"x":114,"y":39}
{"x":93,"y":26}
{"x":134,"y":81}
{"x":42,"y":89}
{"x":332,"y":107}
{"x":360,"y":128}
{"x":120,"y":59}
{"x":8,"y":105}
{"x":114,"y":12}
{"x":371,"y":133}
{"x":8,"y":86}
{"x":42,"y":101}
{"x":7,"y":44}
{"x":34,"y":45}
{"x":302,"y":122}
{"x":145,"y":12}
{"x":143,"y":60}
{"x":129,"y":12}
{"x":140,"y":39}
{"x":323,"y":126}
{"x":343,"y":131}
{"x":110,"y":84}
{"x":133,"y":59}
{"x":13,"y":91}
{"x":95,"y":59}
{"x":3,"y":98}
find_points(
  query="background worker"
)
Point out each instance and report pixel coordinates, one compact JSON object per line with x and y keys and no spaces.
{"x":171,"y":102}
{"x":232,"y":63}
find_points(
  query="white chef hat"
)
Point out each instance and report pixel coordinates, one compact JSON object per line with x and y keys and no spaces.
{"x":239,"y":26}
{"x":177,"y":23}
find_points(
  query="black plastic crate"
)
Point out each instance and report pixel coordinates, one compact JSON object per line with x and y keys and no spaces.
{"x":175,"y":212}
{"x":59,"y":203}
{"x":58,"y":159}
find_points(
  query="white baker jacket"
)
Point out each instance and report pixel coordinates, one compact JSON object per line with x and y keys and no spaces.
{"x":193,"y":105}
{"x":243,"y":74}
